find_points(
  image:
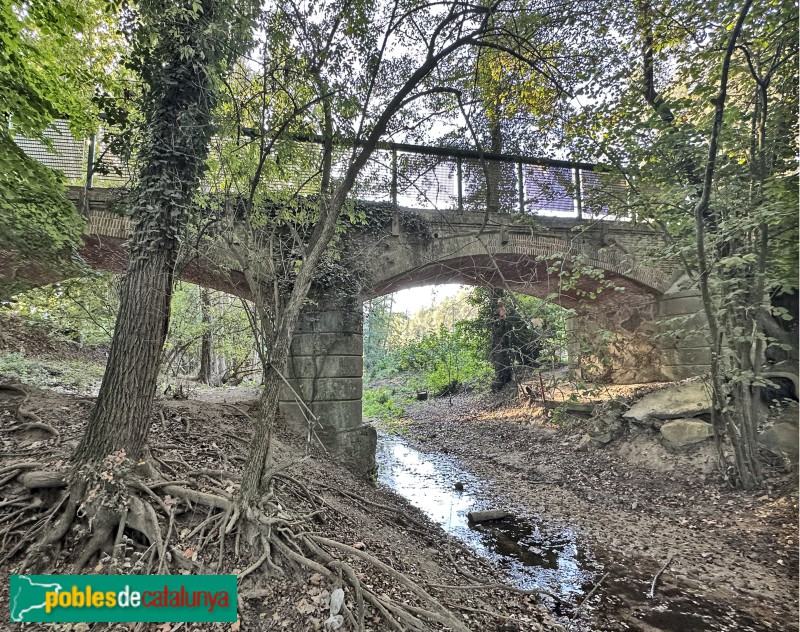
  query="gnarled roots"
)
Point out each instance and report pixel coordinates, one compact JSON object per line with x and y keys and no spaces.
{"x":112,"y":505}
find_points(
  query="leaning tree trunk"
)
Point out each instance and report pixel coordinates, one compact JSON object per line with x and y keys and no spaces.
{"x":179,"y":69}
{"x":258,"y":454}
{"x":121,"y":418}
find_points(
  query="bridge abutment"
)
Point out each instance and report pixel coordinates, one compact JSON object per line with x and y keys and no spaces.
{"x":683,"y":329}
{"x":325,"y":370}
{"x":661,"y":339}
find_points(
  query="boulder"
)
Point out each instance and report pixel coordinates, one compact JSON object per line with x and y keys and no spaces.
{"x":674,"y":402}
{"x":589,"y":443}
{"x":606,"y":423}
{"x":781,"y":439}
{"x":682,"y":432}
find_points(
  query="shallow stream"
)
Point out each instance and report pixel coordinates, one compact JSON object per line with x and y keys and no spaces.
{"x":532,"y":554}
{"x":538,"y":553}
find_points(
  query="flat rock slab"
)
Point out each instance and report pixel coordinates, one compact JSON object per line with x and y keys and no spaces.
{"x":673,"y":402}
{"x":782,"y":439}
{"x":682,"y":432}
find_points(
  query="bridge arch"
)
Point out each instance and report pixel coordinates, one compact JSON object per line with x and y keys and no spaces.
{"x":534,"y":261}
{"x":525,"y":255}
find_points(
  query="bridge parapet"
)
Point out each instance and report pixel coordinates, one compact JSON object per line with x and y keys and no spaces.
{"x":443,"y":179}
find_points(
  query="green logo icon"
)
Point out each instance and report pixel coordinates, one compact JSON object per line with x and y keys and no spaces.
{"x":115,"y":598}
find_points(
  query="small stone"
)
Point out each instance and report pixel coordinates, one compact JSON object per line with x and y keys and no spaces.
{"x":634,"y":505}
{"x":360,"y":546}
{"x":584,"y":444}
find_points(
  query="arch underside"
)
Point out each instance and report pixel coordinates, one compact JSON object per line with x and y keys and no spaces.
{"x":516,"y":272}
{"x":108,"y":254}
{"x":523,"y":274}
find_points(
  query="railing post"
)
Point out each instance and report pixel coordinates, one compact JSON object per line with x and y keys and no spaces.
{"x":90,"y":161}
{"x":459,"y":185}
{"x":394,"y":177}
{"x":521,"y":183}
{"x":629,"y":200}
{"x":578,"y":196}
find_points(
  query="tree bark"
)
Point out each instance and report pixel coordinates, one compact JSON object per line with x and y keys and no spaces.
{"x":501,"y":352}
{"x":205,"y":375}
{"x":121,"y":417}
{"x":179,"y":61}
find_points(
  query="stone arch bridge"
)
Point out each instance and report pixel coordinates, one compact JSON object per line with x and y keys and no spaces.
{"x":526,"y":251}
{"x":523,"y":254}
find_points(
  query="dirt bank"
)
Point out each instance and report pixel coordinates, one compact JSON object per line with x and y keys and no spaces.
{"x":200,"y":436}
{"x":637,"y":506}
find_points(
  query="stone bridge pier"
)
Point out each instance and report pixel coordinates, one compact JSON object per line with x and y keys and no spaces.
{"x":326,"y":365}
{"x":325,"y":372}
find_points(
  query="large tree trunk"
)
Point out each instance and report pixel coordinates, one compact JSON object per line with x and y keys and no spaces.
{"x":180,"y":60}
{"x":121,"y":418}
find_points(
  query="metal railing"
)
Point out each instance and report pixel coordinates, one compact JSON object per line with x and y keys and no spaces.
{"x":412,"y":176}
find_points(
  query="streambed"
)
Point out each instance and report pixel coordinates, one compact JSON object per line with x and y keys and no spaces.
{"x":537,"y":552}
{"x":533,"y":555}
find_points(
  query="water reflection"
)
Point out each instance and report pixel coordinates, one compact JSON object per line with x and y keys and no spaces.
{"x":532,"y":554}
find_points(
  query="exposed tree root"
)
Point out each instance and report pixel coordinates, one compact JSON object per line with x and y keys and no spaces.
{"x":108,"y":504}
{"x":28,"y":420}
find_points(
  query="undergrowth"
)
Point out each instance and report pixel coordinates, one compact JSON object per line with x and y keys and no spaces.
{"x":380,"y":404}
{"x":81,"y":377}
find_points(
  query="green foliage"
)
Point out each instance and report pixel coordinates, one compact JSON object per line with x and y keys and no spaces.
{"x":71,"y":376}
{"x":380,"y":404}
{"x":377,"y":328}
{"x":536,"y":328}
{"x":450,"y":344}
{"x":706,"y":131}
{"x":228,"y":327}
{"x":83,"y":310}
{"x":54,"y":54}
{"x":449,"y":358}
{"x":444,"y":358}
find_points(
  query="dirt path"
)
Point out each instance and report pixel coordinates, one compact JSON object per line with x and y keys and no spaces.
{"x":735,"y":553}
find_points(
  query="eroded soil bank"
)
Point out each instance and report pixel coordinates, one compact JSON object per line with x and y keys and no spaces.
{"x":634,"y":506}
{"x":203,"y":442}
